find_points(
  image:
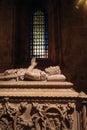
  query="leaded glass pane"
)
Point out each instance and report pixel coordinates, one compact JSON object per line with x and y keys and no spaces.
{"x":39,"y":42}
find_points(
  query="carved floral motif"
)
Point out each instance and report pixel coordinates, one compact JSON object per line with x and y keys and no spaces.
{"x":36,"y":116}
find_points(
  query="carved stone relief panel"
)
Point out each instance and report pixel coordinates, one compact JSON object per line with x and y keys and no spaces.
{"x":36,"y":116}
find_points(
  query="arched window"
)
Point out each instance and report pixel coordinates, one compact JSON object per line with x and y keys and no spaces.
{"x":39,"y":35}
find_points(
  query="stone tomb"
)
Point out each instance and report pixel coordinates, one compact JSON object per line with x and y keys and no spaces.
{"x":41,"y":104}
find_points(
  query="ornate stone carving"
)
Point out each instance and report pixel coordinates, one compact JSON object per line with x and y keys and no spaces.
{"x":36,"y":116}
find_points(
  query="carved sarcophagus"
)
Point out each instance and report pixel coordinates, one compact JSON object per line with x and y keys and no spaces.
{"x":41,"y":105}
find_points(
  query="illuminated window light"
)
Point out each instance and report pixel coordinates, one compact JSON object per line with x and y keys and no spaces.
{"x":39,"y":35}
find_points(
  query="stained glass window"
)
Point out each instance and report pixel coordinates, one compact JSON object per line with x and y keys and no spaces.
{"x":39,"y":35}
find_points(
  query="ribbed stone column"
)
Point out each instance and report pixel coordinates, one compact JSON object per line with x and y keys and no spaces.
{"x":84,"y":118}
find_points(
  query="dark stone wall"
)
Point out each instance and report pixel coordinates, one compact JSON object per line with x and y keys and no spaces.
{"x":67,"y":37}
{"x":74,"y":43}
{"x":6,"y":34}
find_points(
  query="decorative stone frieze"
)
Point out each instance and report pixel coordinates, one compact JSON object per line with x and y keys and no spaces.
{"x":36,"y":116}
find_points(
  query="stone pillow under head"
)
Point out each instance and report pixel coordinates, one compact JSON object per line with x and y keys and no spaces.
{"x":57,"y":77}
